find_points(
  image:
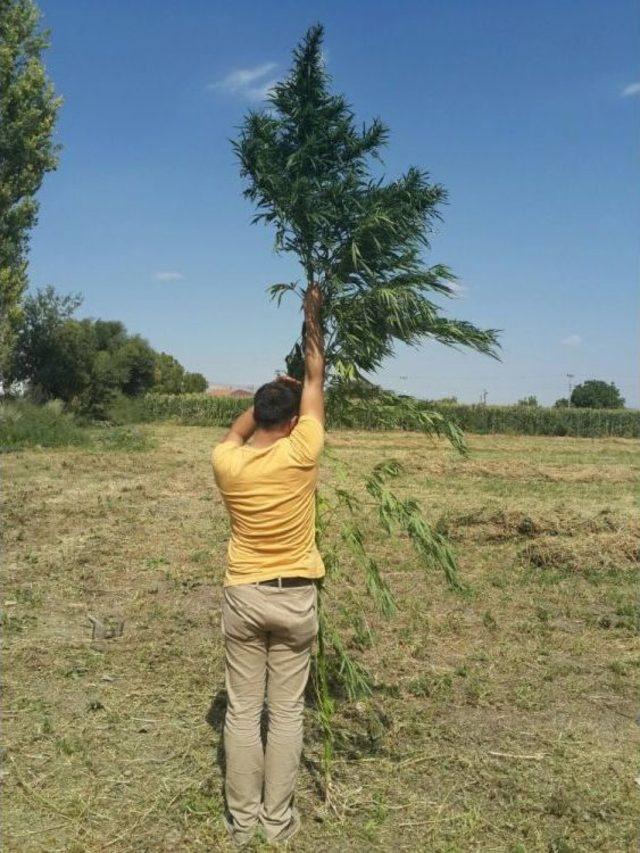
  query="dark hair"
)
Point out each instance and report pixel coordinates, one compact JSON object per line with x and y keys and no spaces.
{"x":275,"y":403}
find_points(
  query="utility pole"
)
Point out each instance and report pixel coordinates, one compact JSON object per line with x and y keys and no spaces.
{"x":483,"y":397}
{"x":570,"y":377}
{"x":402,"y":379}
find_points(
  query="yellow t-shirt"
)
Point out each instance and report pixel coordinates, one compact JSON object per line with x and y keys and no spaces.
{"x":270,"y":495}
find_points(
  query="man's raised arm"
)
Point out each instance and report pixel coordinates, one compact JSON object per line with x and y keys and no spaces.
{"x":312,"y":400}
{"x":242,"y":428}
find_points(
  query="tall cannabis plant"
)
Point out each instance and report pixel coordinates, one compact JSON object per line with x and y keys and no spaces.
{"x":310,"y":174}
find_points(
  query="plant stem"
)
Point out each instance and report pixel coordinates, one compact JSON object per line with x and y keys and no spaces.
{"x":323,"y":698}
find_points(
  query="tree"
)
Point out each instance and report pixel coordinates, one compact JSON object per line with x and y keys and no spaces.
{"x":28,"y":109}
{"x":561,"y":403}
{"x":530,"y":401}
{"x":309,"y":171}
{"x":60,"y":357}
{"x":194,"y":383}
{"x":110,"y":334}
{"x":82,"y":362}
{"x":35,"y":357}
{"x":169,"y":374}
{"x":596,"y":394}
{"x":137,"y":362}
{"x":85,"y":362}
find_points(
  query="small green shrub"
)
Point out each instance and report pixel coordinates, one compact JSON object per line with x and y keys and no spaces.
{"x":128,"y":410}
{"x":123,"y":439}
{"x":25,"y":424}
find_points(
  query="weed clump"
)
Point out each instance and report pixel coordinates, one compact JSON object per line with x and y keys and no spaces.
{"x":24,"y":424}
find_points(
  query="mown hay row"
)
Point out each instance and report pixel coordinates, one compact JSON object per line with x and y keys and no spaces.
{"x":486,"y":523}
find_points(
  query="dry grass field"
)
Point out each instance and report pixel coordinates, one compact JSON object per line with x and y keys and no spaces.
{"x":500,"y":721}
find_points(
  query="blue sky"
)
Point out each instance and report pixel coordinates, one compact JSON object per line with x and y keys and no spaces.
{"x":526,"y":112}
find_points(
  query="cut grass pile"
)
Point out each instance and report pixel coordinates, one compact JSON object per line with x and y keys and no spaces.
{"x":503,"y":720}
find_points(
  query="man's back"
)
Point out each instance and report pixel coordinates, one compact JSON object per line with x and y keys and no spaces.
{"x":270,"y":495}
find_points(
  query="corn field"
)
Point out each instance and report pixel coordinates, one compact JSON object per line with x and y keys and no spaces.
{"x":201,"y":410}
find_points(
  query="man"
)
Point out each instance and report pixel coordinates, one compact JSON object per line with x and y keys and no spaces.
{"x":269,"y":610}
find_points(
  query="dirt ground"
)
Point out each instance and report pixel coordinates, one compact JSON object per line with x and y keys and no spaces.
{"x":504,"y":720}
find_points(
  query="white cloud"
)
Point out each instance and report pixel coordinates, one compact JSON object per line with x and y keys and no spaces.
{"x":572,"y":340}
{"x":168,"y":276}
{"x":250,"y":83}
{"x":630,"y":90}
{"x":259,"y":93}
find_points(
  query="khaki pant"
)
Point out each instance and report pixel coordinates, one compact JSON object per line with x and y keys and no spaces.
{"x":268,"y":633}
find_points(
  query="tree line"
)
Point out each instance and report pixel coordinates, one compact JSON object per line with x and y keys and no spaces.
{"x":86,"y":362}
{"x":590,"y":394}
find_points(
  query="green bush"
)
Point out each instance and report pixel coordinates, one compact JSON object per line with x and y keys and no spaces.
{"x":25,"y":424}
{"x":128,"y":410}
{"x":198,"y":409}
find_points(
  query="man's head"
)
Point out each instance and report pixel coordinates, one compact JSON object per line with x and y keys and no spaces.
{"x":276,"y":406}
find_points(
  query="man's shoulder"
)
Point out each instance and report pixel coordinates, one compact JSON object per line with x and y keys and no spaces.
{"x":223,"y":451}
{"x":307,"y":440}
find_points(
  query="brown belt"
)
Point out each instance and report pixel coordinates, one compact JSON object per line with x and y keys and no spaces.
{"x":286,"y":582}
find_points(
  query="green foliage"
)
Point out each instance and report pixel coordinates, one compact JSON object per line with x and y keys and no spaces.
{"x":417,"y":416}
{"x":28,"y":109}
{"x":193,"y":409}
{"x":524,"y":420}
{"x":171,"y":377}
{"x":169,"y":374}
{"x":39,"y":355}
{"x":309,"y":171}
{"x":88,"y":363}
{"x":135,"y":361}
{"x":24,"y":424}
{"x":596,"y":394}
{"x":324,"y":700}
{"x":128,"y":410}
{"x":528,"y":401}
{"x":406,"y":515}
{"x":342,"y":521}
{"x":356,"y":403}
{"x":82,"y":362}
{"x":562,"y":403}
{"x":194,"y":383}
